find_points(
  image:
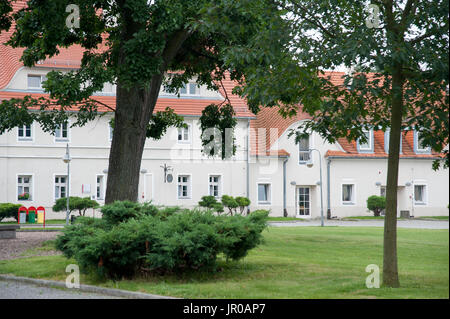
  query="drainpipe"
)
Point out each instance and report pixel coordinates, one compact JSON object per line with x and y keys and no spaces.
{"x":285,"y":214}
{"x":328,"y":189}
{"x":248,"y":163}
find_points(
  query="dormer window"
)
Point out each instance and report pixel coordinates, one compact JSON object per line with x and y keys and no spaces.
{"x":190,"y":89}
{"x":386,"y":142}
{"x":35,"y":81}
{"x":368,"y":145}
{"x":419,"y":146}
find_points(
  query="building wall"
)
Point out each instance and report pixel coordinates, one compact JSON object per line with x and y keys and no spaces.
{"x":41,"y":158}
{"x":365,"y":173}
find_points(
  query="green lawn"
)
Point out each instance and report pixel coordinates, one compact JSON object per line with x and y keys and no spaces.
{"x":294,"y":262}
{"x":382,"y":217}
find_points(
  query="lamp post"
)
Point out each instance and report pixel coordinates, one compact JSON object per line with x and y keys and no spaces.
{"x":66,"y":159}
{"x":310,"y":164}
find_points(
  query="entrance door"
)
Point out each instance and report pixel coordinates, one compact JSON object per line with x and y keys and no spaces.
{"x":304,"y":202}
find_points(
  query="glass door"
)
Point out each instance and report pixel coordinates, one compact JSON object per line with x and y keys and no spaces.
{"x":304,"y":202}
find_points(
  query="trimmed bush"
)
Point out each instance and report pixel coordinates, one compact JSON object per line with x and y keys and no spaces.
{"x":230,"y":203}
{"x":376,"y":204}
{"x":243,"y":202}
{"x":81,"y":204}
{"x":131,"y":241}
{"x":8,"y":210}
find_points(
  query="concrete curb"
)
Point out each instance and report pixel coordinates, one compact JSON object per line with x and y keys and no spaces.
{"x":85,"y":288}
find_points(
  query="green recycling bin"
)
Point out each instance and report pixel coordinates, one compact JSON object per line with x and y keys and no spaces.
{"x":32,"y":217}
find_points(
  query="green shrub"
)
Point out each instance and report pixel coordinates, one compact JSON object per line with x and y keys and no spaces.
{"x":81,"y":204}
{"x":8,"y":210}
{"x":207,"y":201}
{"x":376,"y":204}
{"x":230,"y":203}
{"x":243,"y":202}
{"x":124,"y":243}
{"x":121,"y":211}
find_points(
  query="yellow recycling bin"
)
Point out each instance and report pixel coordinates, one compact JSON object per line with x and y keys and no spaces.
{"x":40,"y":218}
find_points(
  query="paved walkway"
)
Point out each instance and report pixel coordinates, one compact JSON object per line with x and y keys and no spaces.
{"x":19,"y":290}
{"x":422,"y":224}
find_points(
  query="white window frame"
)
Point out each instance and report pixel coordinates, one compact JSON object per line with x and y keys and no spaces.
{"x":31,"y":190}
{"x":188,"y":89}
{"x":269,"y":201}
{"x":370,"y":143}
{"x":353,"y":199}
{"x":386,"y":141}
{"x":42,"y":77}
{"x":110,"y":132}
{"x":103,"y":176}
{"x":63,"y":139}
{"x":189,"y":186}
{"x":418,"y":150}
{"x":425,"y":194}
{"x":25,"y":138}
{"x":301,"y":162}
{"x":219,"y":185}
{"x":189,"y":133}
{"x":54,"y":185}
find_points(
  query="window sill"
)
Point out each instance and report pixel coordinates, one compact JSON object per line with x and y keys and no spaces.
{"x":420,"y":204}
{"x":264,"y":203}
{"x":348,"y":203}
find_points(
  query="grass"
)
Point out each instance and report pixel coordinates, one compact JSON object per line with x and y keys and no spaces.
{"x":382,"y":217}
{"x":433,"y":217}
{"x":284,"y":219}
{"x":294,"y":262}
{"x":46,"y":246}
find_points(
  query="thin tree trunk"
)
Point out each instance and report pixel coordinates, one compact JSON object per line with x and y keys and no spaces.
{"x":390,"y":267}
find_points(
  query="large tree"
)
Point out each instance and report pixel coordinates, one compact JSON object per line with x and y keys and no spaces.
{"x":135,"y":44}
{"x":398,"y":51}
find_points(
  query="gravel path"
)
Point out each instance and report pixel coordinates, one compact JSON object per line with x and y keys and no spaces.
{"x":422,"y":224}
{"x":13,"y":248}
{"x":18,"y":290}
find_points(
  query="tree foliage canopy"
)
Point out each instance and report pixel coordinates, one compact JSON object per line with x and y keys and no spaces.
{"x":375,"y":43}
{"x":129,"y":42}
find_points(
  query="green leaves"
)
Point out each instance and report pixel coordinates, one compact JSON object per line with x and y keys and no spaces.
{"x":217,"y":124}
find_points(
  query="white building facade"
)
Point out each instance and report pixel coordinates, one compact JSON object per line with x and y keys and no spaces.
{"x":268,"y":167}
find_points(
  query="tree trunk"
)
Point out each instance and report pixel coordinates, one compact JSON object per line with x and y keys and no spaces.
{"x":390,"y":268}
{"x":134,"y":108}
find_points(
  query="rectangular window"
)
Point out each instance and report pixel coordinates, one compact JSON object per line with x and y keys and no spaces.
{"x":100,"y":187}
{"x":184,"y":186}
{"x":183,"y":90}
{"x":304,"y":152}
{"x":420,"y":147}
{"x":264,"y":193}
{"x":60,"y":186}
{"x":383,"y":191}
{"x":193,"y":88}
{"x":35,"y":81}
{"x":24,"y":187}
{"x":189,"y":89}
{"x":366,"y":146}
{"x":62,"y":132}
{"x":24,"y":132}
{"x":183,"y":134}
{"x":214,"y":185}
{"x":348,"y":193}
{"x":111,"y":132}
{"x":420,"y":194}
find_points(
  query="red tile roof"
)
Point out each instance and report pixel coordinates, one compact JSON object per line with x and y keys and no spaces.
{"x":71,"y":57}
